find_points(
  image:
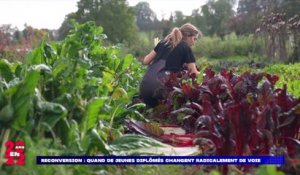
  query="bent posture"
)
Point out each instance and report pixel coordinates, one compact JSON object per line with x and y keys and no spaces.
{"x":170,"y":54}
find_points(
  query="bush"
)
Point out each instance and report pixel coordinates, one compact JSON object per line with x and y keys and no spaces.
{"x":142,"y":45}
{"x":231,"y":45}
{"x":289,"y":75}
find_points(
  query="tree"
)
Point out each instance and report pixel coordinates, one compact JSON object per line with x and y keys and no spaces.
{"x":294,"y":28}
{"x":274,"y":30}
{"x":217,"y":15}
{"x":250,"y":11}
{"x":280,"y":32}
{"x":145,"y":17}
{"x":289,"y":7}
{"x":115,"y":16}
{"x":5,"y":37}
{"x":247,"y":14}
{"x":66,"y":26}
{"x":179,"y":18}
{"x":14,"y":44}
{"x":167,"y":25}
{"x":198,"y":20}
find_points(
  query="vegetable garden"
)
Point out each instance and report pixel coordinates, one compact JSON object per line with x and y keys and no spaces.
{"x":72,"y":98}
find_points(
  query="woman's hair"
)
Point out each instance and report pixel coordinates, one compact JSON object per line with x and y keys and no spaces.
{"x":178,"y":34}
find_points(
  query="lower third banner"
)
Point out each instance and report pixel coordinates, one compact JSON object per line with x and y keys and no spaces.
{"x":134,"y":160}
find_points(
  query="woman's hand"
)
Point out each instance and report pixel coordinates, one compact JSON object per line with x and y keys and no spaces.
{"x":193,"y":69}
{"x":149,"y":58}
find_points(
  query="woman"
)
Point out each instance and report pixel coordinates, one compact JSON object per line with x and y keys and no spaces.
{"x":171,"y":54}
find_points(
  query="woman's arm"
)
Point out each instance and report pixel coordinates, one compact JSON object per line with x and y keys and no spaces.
{"x":192,"y":69}
{"x":149,"y":58}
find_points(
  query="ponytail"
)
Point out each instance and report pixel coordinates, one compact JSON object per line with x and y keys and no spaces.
{"x":181,"y":33}
{"x":174,"y":37}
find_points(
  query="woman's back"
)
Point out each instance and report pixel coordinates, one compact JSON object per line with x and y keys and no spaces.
{"x":169,"y":55}
{"x":151,"y":82}
{"x":180,"y":55}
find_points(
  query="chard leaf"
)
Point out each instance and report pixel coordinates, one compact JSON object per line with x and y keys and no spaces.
{"x":92,"y":112}
{"x":132,"y":142}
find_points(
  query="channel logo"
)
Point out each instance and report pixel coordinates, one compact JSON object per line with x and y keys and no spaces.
{"x":15,"y":152}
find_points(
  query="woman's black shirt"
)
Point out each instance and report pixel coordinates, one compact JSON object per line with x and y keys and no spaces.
{"x":175,"y":58}
{"x":166,"y":59}
{"x":180,"y":55}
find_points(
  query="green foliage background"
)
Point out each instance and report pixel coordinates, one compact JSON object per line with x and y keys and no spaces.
{"x":70,"y":97}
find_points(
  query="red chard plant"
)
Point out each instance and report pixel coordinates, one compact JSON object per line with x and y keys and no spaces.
{"x":234,"y":114}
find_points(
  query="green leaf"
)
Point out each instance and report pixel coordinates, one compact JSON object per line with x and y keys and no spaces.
{"x":268,"y":170}
{"x":49,"y":53}
{"x":42,"y":67}
{"x":51,"y":112}
{"x":91,"y":117}
{"x":137,"y":106}
{"x":73,"y":142}
{"x":50,"y":107}
{"x":272,"y":171}
{"x":126,"y":62}
{"x":35,"y":56}
{"x":62,"y":129}
{"x":22,"y":99}
{"x":98,"y":142}
{"x":132,"y":142}
{"x":120,"y":93}
{"x":3,"y":100}
{"x":61,"y":65}
{"x":6,"y":113}
{"x":214,"y":172}
{"x":107,"y":79}
{"x":5,"y":70}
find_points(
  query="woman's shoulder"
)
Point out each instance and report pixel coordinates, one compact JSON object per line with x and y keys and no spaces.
{"x":158,"y":46}
{"x":182,"y":45}
{"x":163,"y":45}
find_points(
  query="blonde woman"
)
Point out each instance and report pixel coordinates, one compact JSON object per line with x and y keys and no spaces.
{"x":170,"y":54}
